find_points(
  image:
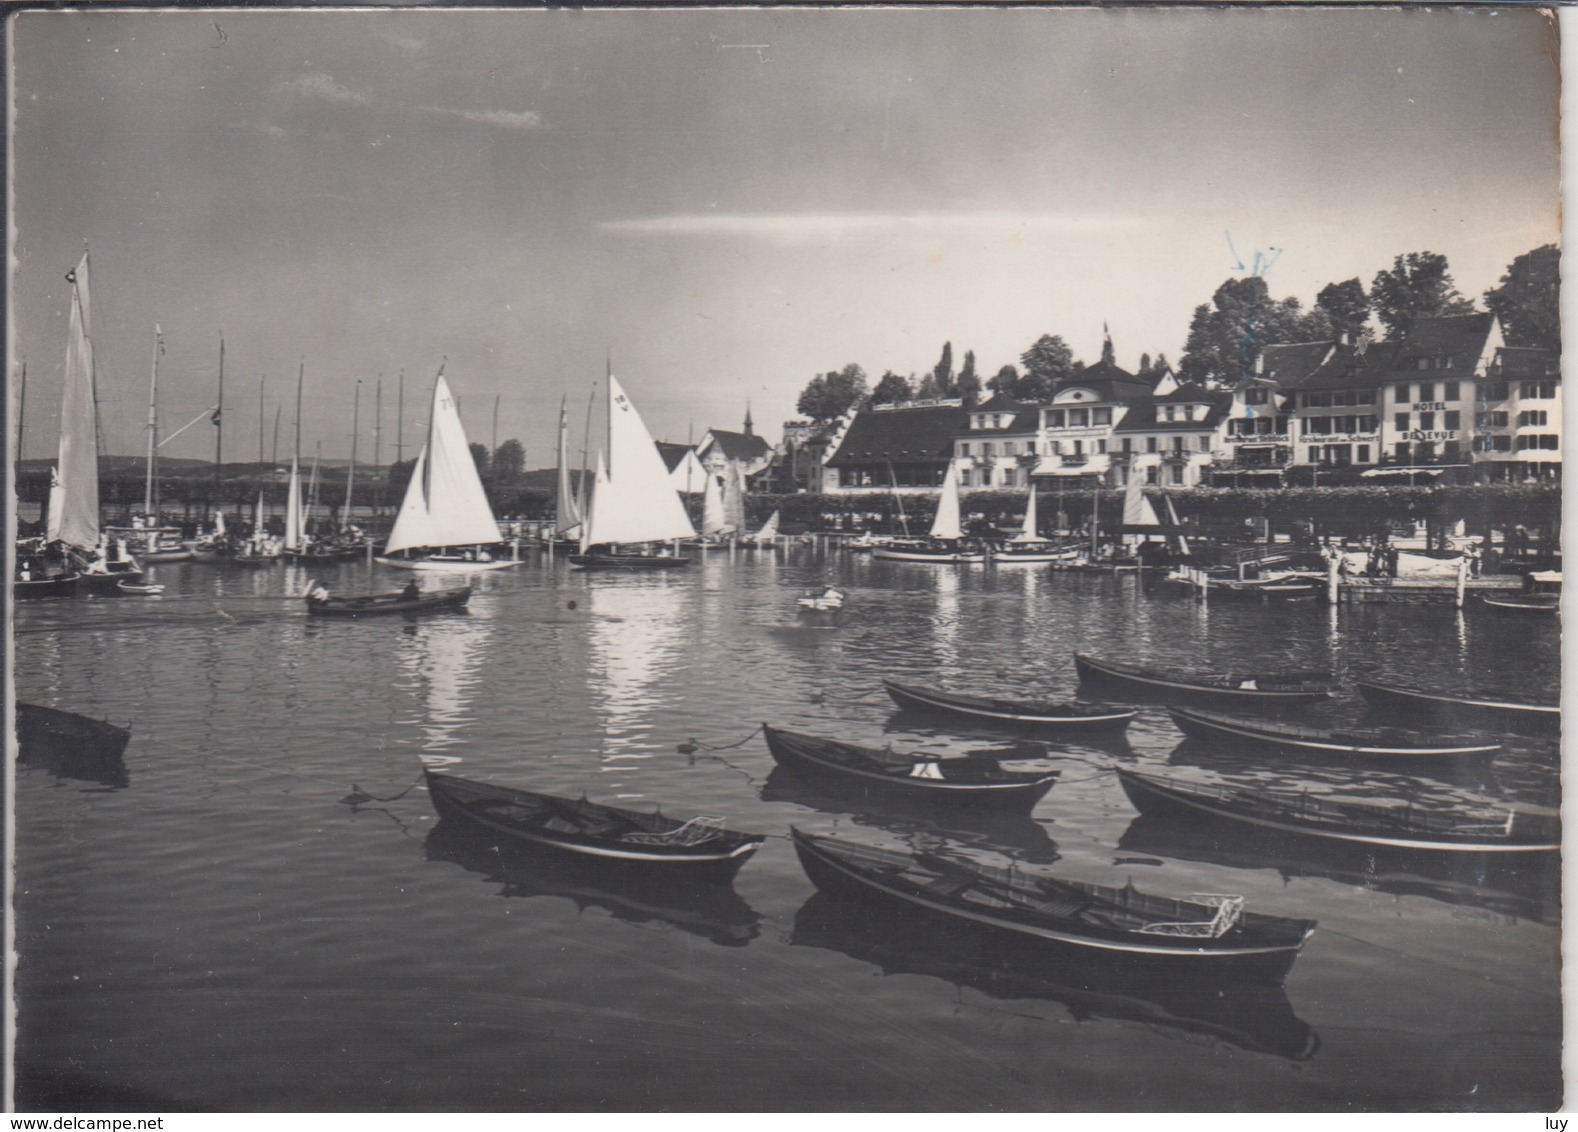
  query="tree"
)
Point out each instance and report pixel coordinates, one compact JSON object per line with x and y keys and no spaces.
{"x":1227,"y":334}
{"x":509,"y":461}
{"x":892,"y":388}
{"x":1005,"y":382}
{"x":968,"y":384}
{"x":1046,"y":363}
{"x":1145,"y":366}
{"x":829,"y":396}
{"x":479,"y":454}
{"x":1347,"y":306}
{"x":1527,"y":302}
{"x":1418,"y":286}
{"x":928,"y":389}
{"x":943,"y":371}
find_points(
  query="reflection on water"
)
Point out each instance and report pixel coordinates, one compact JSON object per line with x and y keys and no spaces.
{"x":1252,"y":1014}
{"x":442,"y":659}
{"x":637,"y":636}
{"x":715,"y":912}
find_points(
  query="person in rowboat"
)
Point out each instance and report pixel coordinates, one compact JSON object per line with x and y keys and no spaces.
{"x":412,"y":591}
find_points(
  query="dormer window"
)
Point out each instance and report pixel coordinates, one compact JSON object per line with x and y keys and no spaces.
{"x":1169,"y":412}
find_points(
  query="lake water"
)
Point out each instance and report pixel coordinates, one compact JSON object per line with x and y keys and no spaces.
{"x":232,"y":924}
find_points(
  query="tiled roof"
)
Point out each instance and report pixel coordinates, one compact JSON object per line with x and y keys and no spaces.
{"x":877,"y":436}
{"x":1347,"y":368}
{"x":1146,"y":417}
{"x":741,"y":446}
{"x":1021,"y":416}
{"x":1524,"y":361}
{"x":1291,"y":363}
{"x":1109,"y":383}
{"x":1463,"y":334}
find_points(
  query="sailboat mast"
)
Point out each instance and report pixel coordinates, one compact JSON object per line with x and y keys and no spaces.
{"x":400,"y":421}
{"x":219,"y":413}
{"x":586,"y":445}
{"x":153,"y":423}
{"x":301,"y":376}
{"x":378,"y":440}
{"x":898,"y":499}
{"x":312,"y":481}
{"x":496,"y":397}
{"x":21,"y":409}
{"x":350,"y":475}
{"x":262,"y":419}
{"x":274,"y":448}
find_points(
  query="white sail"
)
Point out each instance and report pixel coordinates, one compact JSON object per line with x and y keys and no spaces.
{"x":1172,"y":517}
{"x":1137,"y":510}
{"x":1028,"y":533}
{"x":769,"y":528}
{"x":946,"y":525}
{"x":293,"y":513}
{"x":637,"y":504}
{"x":567,"y":516}
{"x":444,"y":503}
{"x":599,"y":489}
{"x":712,"y":519}
{"x":733,"y":498}
{"x":74,"y":514}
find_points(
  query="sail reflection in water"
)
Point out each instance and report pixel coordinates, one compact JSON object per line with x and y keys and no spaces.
{"x":1253,"y":1014}
{"x":638,"y":629}
{"x":714,"y":912}
{"x":442,"y":659}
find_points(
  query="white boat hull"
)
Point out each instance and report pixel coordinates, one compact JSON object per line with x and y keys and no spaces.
{"x":446,"y":565}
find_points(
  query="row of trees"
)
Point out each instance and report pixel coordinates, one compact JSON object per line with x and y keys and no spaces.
{"x":1227,"y":334}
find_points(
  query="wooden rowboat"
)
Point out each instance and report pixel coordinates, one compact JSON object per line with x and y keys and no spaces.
{"x":372,"y":605}
{"x":965,"y":779}
{"x":1524,"y":603}
{"x":58,"y":585}
{"x":47,"y":732}
{"x":1499,"y":709}
{"x":1367,"y":741}
{"x":589,"y":829}
{"x":1378,"y":824}
{"x":1039,"y":713}
{"x":1271,"y":689}
{"x":1206,"y":930}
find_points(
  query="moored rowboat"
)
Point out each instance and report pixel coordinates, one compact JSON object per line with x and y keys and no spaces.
{"x":1040,"y":713}
{"x":44,"y":731}
{"x":964,"y":779}
{"x":1276,"y":689}
{"x":1479,"y":830}
{"x":576,"y":825}
{"x":1503,"y":709}
{"x":1206,"y":930}
{"x":1367,"y":741}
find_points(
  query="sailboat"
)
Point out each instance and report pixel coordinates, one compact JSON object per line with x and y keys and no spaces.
{"x":634,"y":502}
{"x":715,"y":526}
{"x":947,"y":543}
{"x":766,"y":537}
{"x":445,"y":513}
{"x":156,"y":543}
{"x":567,"y":514}
{"x":1028,"y":545}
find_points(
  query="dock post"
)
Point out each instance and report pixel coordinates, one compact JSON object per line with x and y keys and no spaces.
{"x":1462,"y":578}
{"x":1332,"y":583}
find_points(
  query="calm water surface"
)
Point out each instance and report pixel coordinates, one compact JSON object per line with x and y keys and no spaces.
{"x":262,"y":911}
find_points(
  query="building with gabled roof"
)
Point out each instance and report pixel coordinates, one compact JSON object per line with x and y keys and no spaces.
{"x":1077,"y":425}
{"x":1170,"y":440}
{"x":907,"y":446}
{"x":998,"y":446}
{"x":741,"y":454}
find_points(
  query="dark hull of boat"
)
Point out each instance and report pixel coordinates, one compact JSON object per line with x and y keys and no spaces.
{"x":1157,"y":685}
{"x":1151,"y":796}
{"x":252,"y":561}
{"x":1014,"y":713}
{"x":572,"y":826}
{"x":167,"y":556}
{"x":970,"y":782}
{"x":627,"y":561}
{"x":1314,"y":741}
{"x":43,"y":732}
{"x":1267,"y":944}
{"x":45,"y":587}
{"x":1526,"y":718}
{"x":99,"y":583}
{"x":375,"y":605}
{"x":945,"y":558}
{"x":1522,"y":604}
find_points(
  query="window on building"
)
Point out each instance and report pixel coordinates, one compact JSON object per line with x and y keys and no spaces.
{"x":1496,"y":418}
{"x":1030,"y":447}
{"x":1502,"y":443}
{"x":1493,"y":391}
{"x":1537,"y":390}
{"x":1079,"y":418}
{"x":1361,"y":453}
{"x":964,"y":448}
{"x":1364,"y":397}
{"x":1079,"y":447}
{"x":1101,"y":416}
{"x":1450,"y":392}
{"x":1010,"y":448}
{"x":1312,"y":454}
{"x":1151,"y":474}
{"x":1178,"y":471}
{"x":1401,"y":449}
{"x":1314,"y":426}
{"x":1427,"y":421}
{"x":1101,"y":447}
{"x":1319,"y":400}
{"x":1427,"y":391}
{"x":1369,"y":424}
{"x":1128,"y":445}
{"x":964,"y":477}
{"x":1055,"y":447}
{"x":1168,"y":413}
{"x":1055,"y":418}
{"x":1400,"y":422}
{"x":1450,"y":450}
{"x":1531,"y":417}
{"x":1150,"y":444}
{"x":1008,"y":477}
{"x":1205,"y":444}
{"x":986,"y":450}
{"x":1452,"y":420}
{"x":1549,"y":442}
{"x":1257,"y":396}
{"x":1424,"y":363}
{"x":1400,"y":394}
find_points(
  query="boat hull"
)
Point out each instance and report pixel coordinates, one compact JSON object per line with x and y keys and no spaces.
{"x":50,"y":732}
{"x":1313,"y":741}
{"x":1160,"y":686}
{"x":446,"y":565}
{"x":1529,"y":718}
{"x":628,"y":561}
{"x":1522,"y":604}
{"x":856,"y":768}
{"x":944,"y":558}
{"x":1151,"y":797}
{"x":182,"y":555}
{"x":832,"y":873}
{"x":1009,"y":712}
{"x":63,"y":586}
{"x":497,"y":810}
{"x":376,"y":605}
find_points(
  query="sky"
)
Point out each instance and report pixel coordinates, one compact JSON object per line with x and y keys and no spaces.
{"x":724,"y":203}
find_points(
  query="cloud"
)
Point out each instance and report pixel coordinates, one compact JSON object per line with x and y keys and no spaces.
{"x":325,"y":88}
{"x":508,"y":119}
{"x":794,"y":227}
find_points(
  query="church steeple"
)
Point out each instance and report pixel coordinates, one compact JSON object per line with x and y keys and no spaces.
{"x":748,"y":426}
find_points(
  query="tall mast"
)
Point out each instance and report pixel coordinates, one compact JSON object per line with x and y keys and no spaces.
{"x":301,"y":376}
{"x":496,"y":397}
{"x":148,"y":500}
{"x":21,"y":409}
{"x":312,"y":482}
{"x":219,"y":412}
{"x":262,"y":419}
{"x":378,"y":441}
{"x":274,"y":450}
{"x":350,"y":475}
{"x":586,"y":443}
{"x":400,"y":421}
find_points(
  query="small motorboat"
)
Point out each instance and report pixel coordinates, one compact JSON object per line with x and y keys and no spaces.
{"x":1480,"y":829}
{"x":1501,"y":709}
{"x":465,"y":563}
{"x":139,"y":588}
{"x":1268,"y":689}
{"x":1364,"y":741}
{"x":612,"y":559}
{"x":1038,"y":713}
{"x":963,"y":779}
{"x":589,"y":829}
{"x":1207,"y":930}
{"x":942,"y":551}
{"x":371,"y":605}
